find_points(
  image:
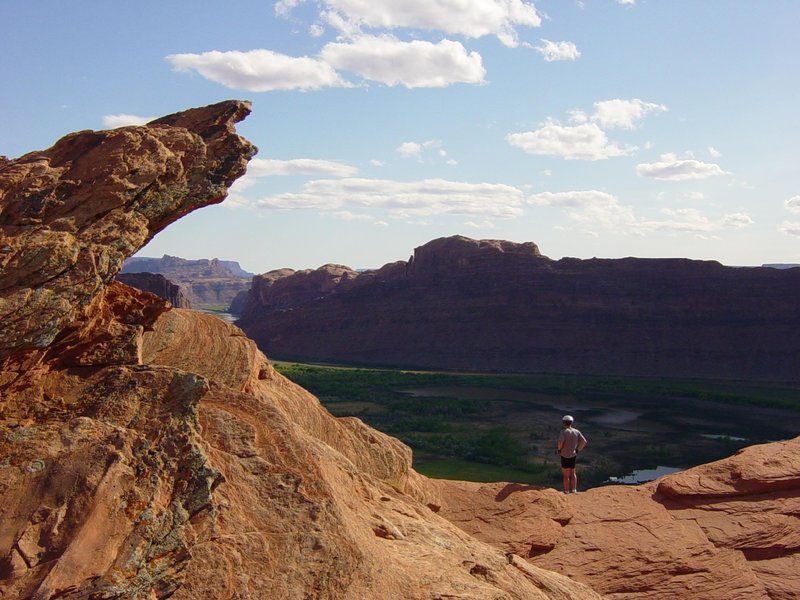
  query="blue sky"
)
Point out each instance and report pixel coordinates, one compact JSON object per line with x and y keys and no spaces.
{"x":605,"y":128}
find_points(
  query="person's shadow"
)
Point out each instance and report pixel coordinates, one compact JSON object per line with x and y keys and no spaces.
{"x":510,"y":488}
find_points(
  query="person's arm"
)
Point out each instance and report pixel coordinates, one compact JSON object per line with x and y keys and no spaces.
{"x":559,"y":443}
{"x":582,"y":443}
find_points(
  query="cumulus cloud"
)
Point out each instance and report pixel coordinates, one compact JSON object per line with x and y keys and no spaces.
{"x":603,"y":209}
{"x":587,"y":206}
{"x":671,"y":168}
{"x":623,"y":113}
{"x":793,"y":204}
{"x":259,"y":70}
{"x":790,"y":228}
{"x":714,"y":152}
{"x":416,"y":64}
{"x":403,"y":199}
{"x":470,"y":18}
{"x":123,"y":120}
{"x":552,"y":51}
{"x":410,"y":149}
{"x":580,"y":142}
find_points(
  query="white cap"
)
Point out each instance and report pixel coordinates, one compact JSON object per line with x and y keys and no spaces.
{"x":567,"y":419}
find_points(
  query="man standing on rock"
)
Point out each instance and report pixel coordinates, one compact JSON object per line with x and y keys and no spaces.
{"x":570,"y":442}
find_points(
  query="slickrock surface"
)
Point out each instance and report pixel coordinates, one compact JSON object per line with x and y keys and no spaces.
{"x":157,"y":284}
{"x":729,"y":529}
{"x":204,"y":282}
{"x":152,"y":453}
{"x":489,"y":305}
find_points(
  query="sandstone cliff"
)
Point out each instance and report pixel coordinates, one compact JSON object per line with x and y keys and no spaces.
{"x":153,"y":453}
{"x":489,"y":305}
{"x":204,"y":282}
{"x":156,"y":284}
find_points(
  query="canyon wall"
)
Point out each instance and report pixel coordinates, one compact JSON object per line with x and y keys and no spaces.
{"x":490,"y":305}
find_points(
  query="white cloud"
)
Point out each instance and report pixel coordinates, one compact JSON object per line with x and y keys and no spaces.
{"x":671,"y":168}
{"x":714,"y":152}
{"x":582,"y":142}
{"x":284,"y":7}
{"x":404,"y":199}
{"x":409,"y":150}
{"x":470,"y":18}
{"x":790,"y":228}
{"x":552,"y":51}
{"x":623,"y":113}
{"x":316,"y":30}
{"x":263,"y":167}
{"x":587,"y":206}
{"x":346,"y":215}
{"x":416,"y":64}
{"x":626,"y":2}
{"x":736,"y":221}
{"x":793,"y":204}
{"x":259,"y":70}
{"x":377,"y":163}
{"x":603,"y":209}
{"x":123,"y":120}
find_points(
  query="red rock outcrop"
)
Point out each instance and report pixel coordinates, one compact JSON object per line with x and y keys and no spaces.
{"x":728,"y":529}
{"x":153,"y":453}
{"x":157,"y":284}
{"x":489,"y":305}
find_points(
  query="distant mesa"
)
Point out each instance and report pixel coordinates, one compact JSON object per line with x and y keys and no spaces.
{"x":498,"y":306}
{"x":203,"y":282}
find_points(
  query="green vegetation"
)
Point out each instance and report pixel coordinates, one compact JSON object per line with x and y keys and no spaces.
{"x":493,"y":427}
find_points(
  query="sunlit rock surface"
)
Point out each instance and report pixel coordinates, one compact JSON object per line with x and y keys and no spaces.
{"x":153,"y":453}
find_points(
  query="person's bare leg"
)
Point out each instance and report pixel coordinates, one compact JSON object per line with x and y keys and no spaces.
{"x":573,"y":480}
{"x":566,"y":475}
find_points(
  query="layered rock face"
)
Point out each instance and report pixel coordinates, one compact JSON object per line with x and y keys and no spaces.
{"x":728,"y":529}
{"x":152,"y":453}
{"x":157,"y":284}
{"x":204,"y":282}
{"x":497,"y":306}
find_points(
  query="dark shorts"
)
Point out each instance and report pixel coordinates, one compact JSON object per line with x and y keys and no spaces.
{"x":568,"y":463}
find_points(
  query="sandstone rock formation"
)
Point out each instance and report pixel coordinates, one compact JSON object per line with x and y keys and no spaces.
{"x":204,"y":282}
{"x":157,"y":284}
{"x":489,"y":305}
{"x":728,"y":529}
{"x":149,"y":452}
{"x":154,"y":453}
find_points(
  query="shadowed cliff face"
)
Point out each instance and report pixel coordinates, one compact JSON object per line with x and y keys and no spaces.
{"x":487,"y":305}
{"x":153,"y":453}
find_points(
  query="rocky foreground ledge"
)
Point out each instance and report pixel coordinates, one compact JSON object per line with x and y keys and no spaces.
{"x":150,"y":452}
